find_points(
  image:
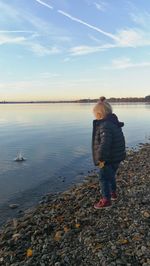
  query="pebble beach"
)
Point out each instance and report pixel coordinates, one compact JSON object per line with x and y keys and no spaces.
{"x":65,"y":229}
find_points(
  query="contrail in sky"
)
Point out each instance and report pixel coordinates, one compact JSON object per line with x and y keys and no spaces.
{"x":81,"y":21}
{"x":88,"y":25}
{"x":44,"y":4}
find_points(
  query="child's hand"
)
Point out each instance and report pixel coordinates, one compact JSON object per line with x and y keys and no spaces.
{"x":101,"y":164}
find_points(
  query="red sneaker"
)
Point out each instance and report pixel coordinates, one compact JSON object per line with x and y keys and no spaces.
{"x":114,"y":196}
{"x":103,"y":203}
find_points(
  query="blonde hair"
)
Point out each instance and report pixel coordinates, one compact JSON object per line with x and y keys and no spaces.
{"x":102,"y":109}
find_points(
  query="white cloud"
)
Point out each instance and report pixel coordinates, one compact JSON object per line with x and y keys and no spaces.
{"x":41,"y":50}
{"x":125,"y":63}
{"x":6,"y":39}
{"x":121,"y":63}
{"x":124,"y":38}
{"x":130,"y":37}
{"x":47,"y":75}
{"x":44,"y":4}
{"x":83,"y":49}
{"x":29,"y":43}
{"x":127,"y":37}
{"x":100,"y":5}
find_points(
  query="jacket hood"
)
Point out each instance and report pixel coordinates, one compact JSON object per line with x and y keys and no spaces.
{"x":114,"y":119}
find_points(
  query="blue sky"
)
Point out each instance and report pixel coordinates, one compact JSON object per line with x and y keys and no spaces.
{"x":66,"y":49}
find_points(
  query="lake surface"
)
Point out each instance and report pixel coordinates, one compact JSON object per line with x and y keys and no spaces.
{"x":56,"y":140}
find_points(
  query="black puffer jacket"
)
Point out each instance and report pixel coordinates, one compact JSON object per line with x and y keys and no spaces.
{"x":108,"y":143}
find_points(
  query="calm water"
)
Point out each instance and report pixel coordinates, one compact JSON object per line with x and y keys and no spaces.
{"x":56,"y":140}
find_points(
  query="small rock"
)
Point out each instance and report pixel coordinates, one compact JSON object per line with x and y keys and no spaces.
{"x":13,"y":206}
{"x":57,"y":264}
{"x":143,"y":249}
{"x":146,"y":214}
{"x":44,"y":257}
{"x":100,"y":254}
{"x":16,"y":236}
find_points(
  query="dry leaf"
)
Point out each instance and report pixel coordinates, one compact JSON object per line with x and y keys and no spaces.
{"x":66,"y":229}
{"x":136,"y":238}
{"x":29,"y":252}
{"x":98,"y":246}
{"x":123,"y":241}
{"x":77,"y":225}
{"x":58,"y":235}
{"x":60,"y":219}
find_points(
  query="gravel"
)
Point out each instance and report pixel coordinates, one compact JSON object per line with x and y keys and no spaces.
{"x":65,"y":229}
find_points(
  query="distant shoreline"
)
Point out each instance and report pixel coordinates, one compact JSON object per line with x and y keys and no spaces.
{"x":112,"y":100}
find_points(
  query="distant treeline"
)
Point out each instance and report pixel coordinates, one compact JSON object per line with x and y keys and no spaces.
{"x":127,"y":99}
{"x":112,"y":99}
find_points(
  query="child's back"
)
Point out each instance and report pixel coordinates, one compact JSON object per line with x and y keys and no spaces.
{"x":108,"y":140}
{"x":108,"y":148}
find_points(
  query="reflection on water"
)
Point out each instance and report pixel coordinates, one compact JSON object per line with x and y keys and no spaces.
{"x":56,"y":140}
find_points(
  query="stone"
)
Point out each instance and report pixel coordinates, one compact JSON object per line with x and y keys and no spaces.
{"x":100,"y":254}
{"x":13,"y":206}
{"x":143,"y":249}
{"x":57,"y":264}
{"x":44,"y":257}
{"x":16,"y":236}
{"x":146,"y":214}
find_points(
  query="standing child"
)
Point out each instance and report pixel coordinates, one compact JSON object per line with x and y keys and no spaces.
{"x":108,"y":147}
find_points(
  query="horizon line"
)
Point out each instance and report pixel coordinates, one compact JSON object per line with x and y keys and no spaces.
{"x":145,"y":98}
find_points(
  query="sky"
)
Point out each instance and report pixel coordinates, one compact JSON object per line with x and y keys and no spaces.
{"x":67,"y":49}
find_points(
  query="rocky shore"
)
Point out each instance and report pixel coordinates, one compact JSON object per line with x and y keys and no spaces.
{"x":65,"y":229}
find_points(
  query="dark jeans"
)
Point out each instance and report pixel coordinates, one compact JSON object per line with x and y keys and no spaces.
{"x":107,"y":179}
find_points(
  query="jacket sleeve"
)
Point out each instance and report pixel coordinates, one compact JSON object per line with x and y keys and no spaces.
{"x":105,"y":143}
